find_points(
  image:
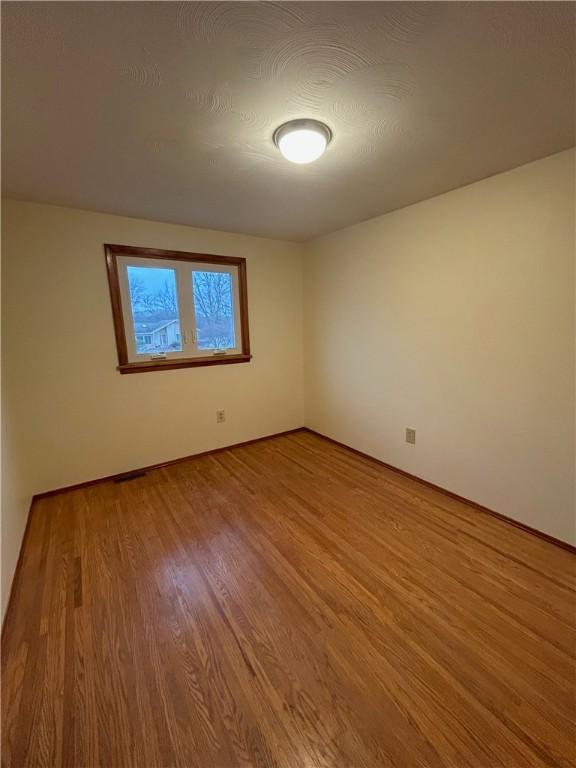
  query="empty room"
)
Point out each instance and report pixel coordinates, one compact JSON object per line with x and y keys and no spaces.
{"x":288,"y":385}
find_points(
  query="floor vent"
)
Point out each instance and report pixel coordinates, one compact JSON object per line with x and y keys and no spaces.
{"x":130,"y":476}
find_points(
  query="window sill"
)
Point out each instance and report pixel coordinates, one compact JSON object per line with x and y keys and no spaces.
{"x":189,"y":362}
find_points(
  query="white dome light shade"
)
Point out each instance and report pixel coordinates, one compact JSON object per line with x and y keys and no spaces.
{"x":302,"y":145}
{"x":302,"y":141}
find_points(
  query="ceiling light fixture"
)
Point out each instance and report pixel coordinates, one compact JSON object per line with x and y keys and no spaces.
{"x":302,"y":141}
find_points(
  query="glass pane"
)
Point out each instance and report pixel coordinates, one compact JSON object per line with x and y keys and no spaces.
{"x":154,"y":302}
{"x":214,"y":308}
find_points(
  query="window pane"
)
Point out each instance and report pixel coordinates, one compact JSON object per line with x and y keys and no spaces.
{"x":154,"y":303}
{"x":214,"y":309}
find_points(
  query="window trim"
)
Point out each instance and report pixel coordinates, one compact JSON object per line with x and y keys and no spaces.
{"x":124,"y":365}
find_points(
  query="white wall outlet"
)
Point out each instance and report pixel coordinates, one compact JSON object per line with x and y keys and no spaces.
{"x":410,"y":436}
{"x":220,"y":416}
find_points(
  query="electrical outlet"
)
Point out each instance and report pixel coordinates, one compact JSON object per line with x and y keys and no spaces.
{"x":220,"y":416}
{"x":410,"y":436}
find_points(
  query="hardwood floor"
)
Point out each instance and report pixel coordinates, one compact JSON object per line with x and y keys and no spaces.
{"x":286,"y":604}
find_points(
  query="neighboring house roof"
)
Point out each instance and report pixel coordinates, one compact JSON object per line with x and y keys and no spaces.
{"x":152,"y":327}
{"x":165,"y":325}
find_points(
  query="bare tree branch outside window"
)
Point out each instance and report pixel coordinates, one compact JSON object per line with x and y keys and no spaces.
{"x":214,"y":310}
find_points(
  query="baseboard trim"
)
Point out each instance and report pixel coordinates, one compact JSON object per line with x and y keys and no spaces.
{"x":150,"y":467}
{"x":498,"y":515}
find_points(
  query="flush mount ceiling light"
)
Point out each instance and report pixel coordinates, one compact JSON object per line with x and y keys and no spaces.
{"x":302,"y":141}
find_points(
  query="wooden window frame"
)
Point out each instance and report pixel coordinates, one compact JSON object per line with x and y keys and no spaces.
{"x":124,"y":364}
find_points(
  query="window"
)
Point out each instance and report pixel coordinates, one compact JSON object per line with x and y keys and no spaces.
{"x":173,"y":309}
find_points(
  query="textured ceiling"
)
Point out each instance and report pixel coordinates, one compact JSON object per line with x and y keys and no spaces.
{"x":165,"y":110}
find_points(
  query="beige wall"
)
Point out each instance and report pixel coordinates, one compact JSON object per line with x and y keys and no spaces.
{"x":455,"y":316}
{"x":72,"y":416}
